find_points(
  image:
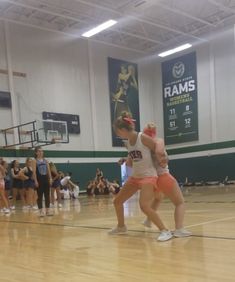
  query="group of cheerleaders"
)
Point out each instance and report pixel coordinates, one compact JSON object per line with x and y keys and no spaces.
{"x":37,"y":179}
{"x":150,"y":175}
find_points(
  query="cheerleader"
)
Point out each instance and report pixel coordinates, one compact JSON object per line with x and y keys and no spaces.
{"x":143,"y":178}
{"x":167,"y":185}
{"x":17,"y":183}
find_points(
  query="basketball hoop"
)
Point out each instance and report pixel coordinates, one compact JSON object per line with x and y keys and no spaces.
{"x":34,"y":133}
{"x":52,"y":132}
{"x":55,"y":140}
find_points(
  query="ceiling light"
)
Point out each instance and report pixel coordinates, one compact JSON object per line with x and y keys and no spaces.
{"x":175,"y":50}
{"x":99,"y":28}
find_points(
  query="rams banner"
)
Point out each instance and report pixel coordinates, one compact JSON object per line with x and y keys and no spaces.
{"x":123,"y":92}
{"x":179,"y":78}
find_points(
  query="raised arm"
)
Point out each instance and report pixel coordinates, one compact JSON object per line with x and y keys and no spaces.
{"x":161,"y":153}
{"x":148,"y":142}
{"x":21,"y":174}
{"x":157,"y":147}
{"x":13,"y":173}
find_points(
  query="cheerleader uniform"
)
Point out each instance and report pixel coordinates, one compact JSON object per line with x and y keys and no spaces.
{"x":143,"y":170}
{"x":29,"y":183}
{"x":17,"y":183}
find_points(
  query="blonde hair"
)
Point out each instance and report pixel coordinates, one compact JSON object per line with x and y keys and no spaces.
{"x":151,"y":125}
{"x":124,"y":121}
{"x":51,"y":165}
{"x":27,"y":160}
{"x":150,"y":129}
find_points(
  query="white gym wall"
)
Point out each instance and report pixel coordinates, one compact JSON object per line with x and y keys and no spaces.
{"x":70,"y":75}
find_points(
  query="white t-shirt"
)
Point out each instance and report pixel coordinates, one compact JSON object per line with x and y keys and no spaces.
{"x":160,"y":170}
{"x":64,"y":181}
{"x":142,"y":163}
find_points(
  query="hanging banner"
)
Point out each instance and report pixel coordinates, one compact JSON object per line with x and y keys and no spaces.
{"x":179,"y":79}
{"x":124,"y":93}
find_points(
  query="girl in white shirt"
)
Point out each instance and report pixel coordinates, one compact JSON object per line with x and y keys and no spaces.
{"x":143,"y":178}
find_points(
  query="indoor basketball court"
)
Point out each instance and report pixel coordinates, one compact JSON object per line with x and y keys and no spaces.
{"x":84,"y":194}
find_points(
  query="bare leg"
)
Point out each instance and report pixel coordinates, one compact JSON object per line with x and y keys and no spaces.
{"x":175,"y":195}
{"x":34,"y":198}
{"x":14,"y":192}
{"x":146,"y":198}
{"x":155,"y":205}
{"x":146,"y":201}
{"x":7,"y":197}
{"x":126,"y":192}
{"x":29,"y":196}
{"x":52,"y":196}
{"x":3,"y":197}
{"x":22,"y":196}
{"x":58,"y":195}
{"x":1,"y":203}
{"x":27,"y":200}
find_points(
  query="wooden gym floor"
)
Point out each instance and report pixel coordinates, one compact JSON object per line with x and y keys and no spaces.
{"x":74,"y":245}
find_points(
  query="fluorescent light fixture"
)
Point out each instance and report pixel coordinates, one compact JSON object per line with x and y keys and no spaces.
{"x":99,"y":28}
{"x":175,"y":50}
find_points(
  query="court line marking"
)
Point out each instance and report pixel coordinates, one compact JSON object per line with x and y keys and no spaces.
{"x":211,"y":221}
{"x":107,"y":228}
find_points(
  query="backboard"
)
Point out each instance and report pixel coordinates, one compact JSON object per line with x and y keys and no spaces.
{"x":50,"y":131}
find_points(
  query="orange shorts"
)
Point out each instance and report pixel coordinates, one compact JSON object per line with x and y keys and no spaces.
{"x":165,"y":183}
{"x":139,"y":182}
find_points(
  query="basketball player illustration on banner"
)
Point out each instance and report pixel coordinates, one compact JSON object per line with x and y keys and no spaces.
{"x":126,"y":81}
{"x":123,"y":92}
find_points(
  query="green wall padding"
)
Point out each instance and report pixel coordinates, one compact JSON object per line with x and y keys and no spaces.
{"x":208,"y":168}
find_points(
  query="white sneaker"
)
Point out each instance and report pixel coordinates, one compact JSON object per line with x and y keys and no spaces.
{"x":6,"y":211}
{"x":147,"y":223}
{"x":165,"y":235}
{"x":51,"y":205}
{"x":118,"y":230}
{"x":41,"y":213}
{"x":182,"y":233}
{"x":12,"y":207}
{"x":49,"y":213}
{"x":60,"y":205}
{"x":35,"y":208}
